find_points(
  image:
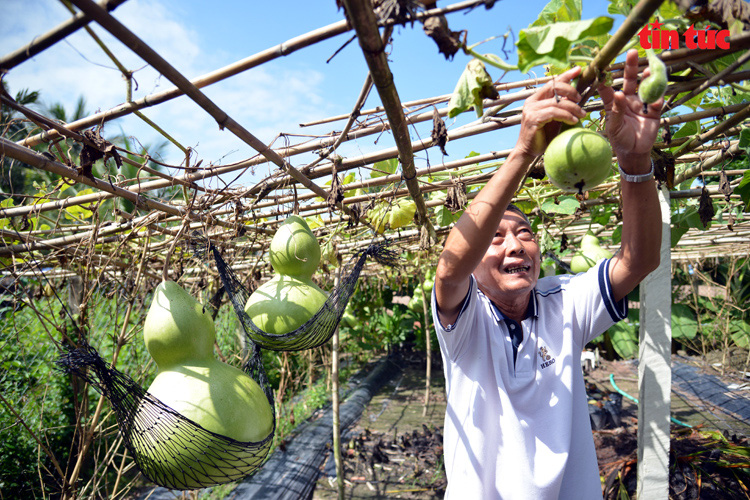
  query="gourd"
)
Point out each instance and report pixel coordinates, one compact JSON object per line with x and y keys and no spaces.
{"x":591,"y":252}
{"x":179,"y":334}
{"x":400,"y":215}
{"x":416,"y":303}
{"x":290,"y":298}
{"x":578,"y":159}
{"x":655,"y":85}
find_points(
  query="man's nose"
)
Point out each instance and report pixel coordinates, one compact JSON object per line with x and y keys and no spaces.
{"x":513,"y":245}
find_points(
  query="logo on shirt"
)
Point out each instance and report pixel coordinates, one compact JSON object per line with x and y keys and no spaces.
{"x":547,"y":359}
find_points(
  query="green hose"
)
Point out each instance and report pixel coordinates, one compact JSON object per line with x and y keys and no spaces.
{"x":612,"y":381}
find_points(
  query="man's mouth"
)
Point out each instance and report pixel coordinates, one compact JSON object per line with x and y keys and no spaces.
{"x":517,"y":269}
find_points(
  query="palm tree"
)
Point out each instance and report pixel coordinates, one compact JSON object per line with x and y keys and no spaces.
{"x":14,"y":176}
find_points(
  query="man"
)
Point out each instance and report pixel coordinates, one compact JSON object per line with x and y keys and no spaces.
{"x":517,"y":422}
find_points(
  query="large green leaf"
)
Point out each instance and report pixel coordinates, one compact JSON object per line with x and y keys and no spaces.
{"x":559,"y":11}
{"x":741,"y":333}
{"x":687,"y":130}
{"x":566,"y":205}
{"x":684,"y":324}
{"x":384,"y":167}
{"x":473,"y":86}
{"x":550,"y":44}
{"x":624,"y":339}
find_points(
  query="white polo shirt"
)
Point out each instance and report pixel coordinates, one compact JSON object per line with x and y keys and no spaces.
{"x":523,"y":432}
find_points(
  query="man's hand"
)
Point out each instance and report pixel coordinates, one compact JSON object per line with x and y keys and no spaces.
{"x":554,"y":103}
{"x":631,"y":132}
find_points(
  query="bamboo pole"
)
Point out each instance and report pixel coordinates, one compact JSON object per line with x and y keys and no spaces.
{"x":47,"y":40}
{"x":637,"y":18}
{"x":428,"y":348}
{"x":365,"y":24}
{"x":336,"y":404}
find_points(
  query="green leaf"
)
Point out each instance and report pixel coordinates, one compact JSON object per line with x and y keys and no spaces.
{"x":550,"y":44}
{"x":621,"y":7}
{"x":601,"y":215}
{"x":384,"y":167}
{"x":473,"y":86}
{"x":567,"y":205}
{"x":617,"y":235}
{"x":687,"y":130}
{"x":745,"y":139}
{"x":624,"y":339}
{"x":741,"y":336}
{"x":743,"y":189}
{"x":444,"y":217}
{"x":684,"y":324}
{"x":559,"y":11}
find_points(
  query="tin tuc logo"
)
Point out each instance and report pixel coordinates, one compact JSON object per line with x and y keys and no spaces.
{"x":656,"y":38}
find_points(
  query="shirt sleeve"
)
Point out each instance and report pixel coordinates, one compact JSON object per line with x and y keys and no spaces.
{"x":595,"y":308}
{"x":453,"y":336}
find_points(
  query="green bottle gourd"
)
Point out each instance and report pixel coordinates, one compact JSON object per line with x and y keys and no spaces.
{"x":591,"y":253}
{"x":655,"y":85}
{"x":290,"y":298}
{"x":179,"y":334}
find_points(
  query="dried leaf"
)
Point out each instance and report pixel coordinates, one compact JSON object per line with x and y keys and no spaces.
{"x":448,"y":42}
{"x":724,"y":185}
{"x":664,"y":167}
{"x":439,"y":131}
{"x":706,"y":208}
{"x":336,"y":194}
{"x":455,"y":199}
{"x":356,"y":214}
{"x":728,"y":14}
{"x":424,"y":238}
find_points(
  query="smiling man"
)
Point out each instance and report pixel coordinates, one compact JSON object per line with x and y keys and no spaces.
{"x":517,"y":423}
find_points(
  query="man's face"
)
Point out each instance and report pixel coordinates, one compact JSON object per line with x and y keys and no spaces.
{"x":511,"y":264}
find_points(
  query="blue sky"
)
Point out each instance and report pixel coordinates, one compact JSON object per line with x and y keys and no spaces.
{"x":198,"y":37}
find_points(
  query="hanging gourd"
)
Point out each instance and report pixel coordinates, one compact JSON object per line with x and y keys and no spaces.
{"x":290,"y":298}
{"x":180,"y":335}
{"x":590,"y":253}
{"x":654,"y":86}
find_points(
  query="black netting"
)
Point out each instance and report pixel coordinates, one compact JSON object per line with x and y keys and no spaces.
{"x":318,"y":329}
{"x":169,"y":449}
{"x":172,"y":450}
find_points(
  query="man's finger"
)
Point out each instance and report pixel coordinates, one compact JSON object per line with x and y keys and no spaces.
{"x":607,"y":94}
{"x":553,"y":113}
{"x":568,"y":75}
{"x":630,"y":74}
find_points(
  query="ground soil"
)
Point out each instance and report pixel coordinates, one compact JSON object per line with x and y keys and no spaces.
{"x":395,"y":451}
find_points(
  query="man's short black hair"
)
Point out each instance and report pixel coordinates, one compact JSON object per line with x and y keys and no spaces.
{"x":515,"y":208}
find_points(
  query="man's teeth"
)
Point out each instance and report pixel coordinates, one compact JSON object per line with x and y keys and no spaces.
{"x":513,"y":270}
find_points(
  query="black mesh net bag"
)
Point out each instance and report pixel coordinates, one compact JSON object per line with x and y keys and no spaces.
{"x":170,"y":449}
{"x":321,"y":326}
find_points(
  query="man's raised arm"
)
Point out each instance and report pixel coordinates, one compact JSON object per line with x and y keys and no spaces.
{"x":632,"y":134}
{"x":469,"y":239}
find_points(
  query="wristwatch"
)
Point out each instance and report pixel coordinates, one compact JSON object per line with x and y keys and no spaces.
{"x":637,"y":178}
